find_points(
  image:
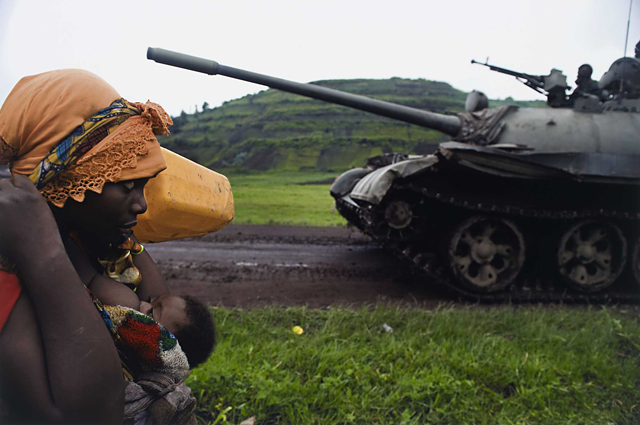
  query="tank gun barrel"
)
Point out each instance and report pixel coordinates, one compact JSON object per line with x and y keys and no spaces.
{"x":444,"y":123}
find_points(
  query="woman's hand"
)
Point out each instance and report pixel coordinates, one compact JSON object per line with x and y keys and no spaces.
{"x":27,"y":221}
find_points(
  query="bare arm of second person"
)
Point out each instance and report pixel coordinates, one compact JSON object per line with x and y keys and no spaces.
{"x":58,"y":361}
{"x":152,"y":282}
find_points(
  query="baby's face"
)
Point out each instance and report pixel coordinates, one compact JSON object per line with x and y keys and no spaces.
{"x":168,"y":310}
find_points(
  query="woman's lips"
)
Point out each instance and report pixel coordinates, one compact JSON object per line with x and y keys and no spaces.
{"x":125,"y":229}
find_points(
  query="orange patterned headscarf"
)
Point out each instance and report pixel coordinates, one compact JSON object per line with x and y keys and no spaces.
{"x":45,"y":116}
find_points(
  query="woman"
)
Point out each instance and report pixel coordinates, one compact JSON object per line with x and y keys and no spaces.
{"x":80,"y":156}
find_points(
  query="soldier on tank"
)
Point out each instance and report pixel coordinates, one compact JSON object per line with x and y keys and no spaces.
{"x":584,"y":83}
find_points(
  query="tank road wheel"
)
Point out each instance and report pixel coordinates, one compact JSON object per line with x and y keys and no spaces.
{"x":486,"y":253}
{"x":400,"y":217}
{"x":591,"y":255}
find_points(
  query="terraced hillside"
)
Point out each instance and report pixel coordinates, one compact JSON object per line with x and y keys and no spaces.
{"x":273,"y":130}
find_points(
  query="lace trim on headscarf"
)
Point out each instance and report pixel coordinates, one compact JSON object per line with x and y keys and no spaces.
{"x":93,"y":170}
{"x":104,"y":167}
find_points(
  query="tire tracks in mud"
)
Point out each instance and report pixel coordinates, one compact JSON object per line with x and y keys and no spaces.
{"x":254,"y":265}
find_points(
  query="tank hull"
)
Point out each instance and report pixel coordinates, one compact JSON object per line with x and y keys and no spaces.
{"x":421,"y":213}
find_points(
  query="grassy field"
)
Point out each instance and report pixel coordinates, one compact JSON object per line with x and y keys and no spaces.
{"x":470,"y":365}
{"x":507,"y":365}
{"x":284,"y":198}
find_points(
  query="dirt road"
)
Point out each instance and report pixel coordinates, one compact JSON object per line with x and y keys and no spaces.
{"x":245,"y":265}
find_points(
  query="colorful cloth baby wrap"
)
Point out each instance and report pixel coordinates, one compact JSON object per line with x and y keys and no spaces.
{"x":143,"y":344}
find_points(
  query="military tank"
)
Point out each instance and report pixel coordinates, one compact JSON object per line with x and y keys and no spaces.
{"x":523,"y":204}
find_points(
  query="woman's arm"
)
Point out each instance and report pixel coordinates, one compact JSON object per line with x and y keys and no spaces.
{"x":152,"y":282}
{"x":107,"y":290}
{"x":56,"y":351}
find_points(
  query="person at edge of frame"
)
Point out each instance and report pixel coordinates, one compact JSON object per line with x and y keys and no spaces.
{"x":80,"y":156}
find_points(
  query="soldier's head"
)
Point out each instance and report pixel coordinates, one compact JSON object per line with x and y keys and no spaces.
{"x":584,"y":72}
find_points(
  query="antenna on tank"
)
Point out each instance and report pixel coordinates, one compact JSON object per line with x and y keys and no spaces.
{"x":626,"y":41}
{"x":628,"y":25}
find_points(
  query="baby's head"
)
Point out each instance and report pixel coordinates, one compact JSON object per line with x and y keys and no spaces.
{"x":189,"y":320}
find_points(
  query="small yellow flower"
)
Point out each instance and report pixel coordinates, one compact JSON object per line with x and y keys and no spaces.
{"x":297,"y":330}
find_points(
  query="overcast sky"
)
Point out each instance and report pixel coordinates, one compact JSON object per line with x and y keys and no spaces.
{"x":311,"y":40}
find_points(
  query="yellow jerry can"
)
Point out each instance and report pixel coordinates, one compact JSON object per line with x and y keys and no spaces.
{"x":184,"y":200}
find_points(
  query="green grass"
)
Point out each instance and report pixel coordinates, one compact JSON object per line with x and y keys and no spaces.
{"x":280,"y":198}
{"x":503,"y":365}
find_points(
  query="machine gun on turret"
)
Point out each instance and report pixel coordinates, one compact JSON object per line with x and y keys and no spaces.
{"x":535,"y":82}
{"x":554,"y":85}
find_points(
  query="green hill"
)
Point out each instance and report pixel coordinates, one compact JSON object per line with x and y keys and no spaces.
{"x":274,"y":130}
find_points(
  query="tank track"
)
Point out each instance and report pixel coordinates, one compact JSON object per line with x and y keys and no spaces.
{"x":525,"y":289}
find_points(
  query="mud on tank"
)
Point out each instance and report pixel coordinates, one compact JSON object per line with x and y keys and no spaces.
{"x":522,"y":203}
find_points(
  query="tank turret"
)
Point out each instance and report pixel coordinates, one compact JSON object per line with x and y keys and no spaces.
{"x":621,"y":85}
{"x":530,"y":204}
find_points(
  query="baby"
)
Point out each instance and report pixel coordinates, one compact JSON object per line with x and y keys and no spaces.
{"x":188,"y":319}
